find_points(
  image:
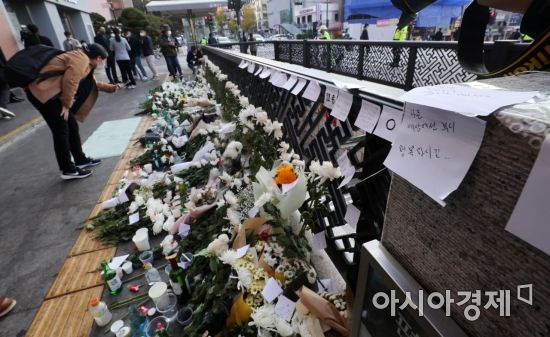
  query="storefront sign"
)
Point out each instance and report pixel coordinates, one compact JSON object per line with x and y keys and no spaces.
{"x":307,"y":11}
{"x":386,"y":22}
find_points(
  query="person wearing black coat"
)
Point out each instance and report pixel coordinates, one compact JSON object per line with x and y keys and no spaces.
{"x":33,"y":37}
{"x":135,"y":55}
{"x":364,"y":33}
{"x":148,"y":51}
{"x":110,"y":66}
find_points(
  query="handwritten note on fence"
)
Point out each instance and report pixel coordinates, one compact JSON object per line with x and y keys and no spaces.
{"x":433,"y":149}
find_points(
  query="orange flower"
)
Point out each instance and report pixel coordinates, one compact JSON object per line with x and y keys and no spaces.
{"x":285,"y":175}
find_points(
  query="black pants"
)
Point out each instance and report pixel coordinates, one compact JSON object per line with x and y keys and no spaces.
{"x":126,"y":71}
{"x":110,"y":69}
{"x":66,"y":138}
{"x":4,"y":94}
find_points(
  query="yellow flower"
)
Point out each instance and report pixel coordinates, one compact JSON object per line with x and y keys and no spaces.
{"x":284,"y":174}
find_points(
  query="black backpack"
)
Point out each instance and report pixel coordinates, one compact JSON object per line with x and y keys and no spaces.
{"x":25,"y":65}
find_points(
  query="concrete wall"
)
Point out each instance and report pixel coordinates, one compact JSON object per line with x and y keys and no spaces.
{"x":82,"y":26}
{"x":101,"y":7}
{"x":7,"y":40}
{"x":46,"y":16}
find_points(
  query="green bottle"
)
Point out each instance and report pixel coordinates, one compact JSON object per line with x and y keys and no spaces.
{"x":111,"y":278}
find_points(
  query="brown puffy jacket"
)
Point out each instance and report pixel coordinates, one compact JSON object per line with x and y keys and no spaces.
{"x":76,"y":66}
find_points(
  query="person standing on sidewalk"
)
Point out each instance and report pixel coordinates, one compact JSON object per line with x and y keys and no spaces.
{"x":33,"y":37}
{"x":148,"y":52}
{"x":70,"y":42}
{"x":253,"y":46}
{"x":66,"y":98}
{"x":168,"y":47}
{"x":135,"y":56}
{"x":120,"y":47}
{"x":110,"y":65}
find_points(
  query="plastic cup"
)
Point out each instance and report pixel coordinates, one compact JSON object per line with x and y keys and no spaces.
{"x":141,"y":240}
{"x":146,"y":257}
{"x":168,"y":269}
{"x":169,"y":307}
{"x":128,"y":267}
{"x":185,"y":260}
{"x":116,"y":326}
{"x":151,"y":328}
{"x":159,"y":293}
{"x":185,"y":315}
{"x":142,"y":230}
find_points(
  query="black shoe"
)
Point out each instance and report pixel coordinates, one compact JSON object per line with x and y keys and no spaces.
{"x":88,"y":163}
{"x":76,"y":174}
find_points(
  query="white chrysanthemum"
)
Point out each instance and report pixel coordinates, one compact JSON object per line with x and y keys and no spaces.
{"x":325,"y":171}
{"x":261,"y":117}
{"x":167,"y":226}
{"x":277,"y":130}
{"x":243,"y":101}
{"x":157,"y":227}
{"x":229,"y":257}
{"x":264,"y":317}
{"x":263,"y":199}
{"x":163,"y":141}
{"x":233,"y":217}
{"x":268,"y":127}
{"x":219,"y":245}
{"x":245,"y":277}
{"x":283,"y":328}
{"x":231,"y":199}
{"x":233,"y":150}
{"x":148,"y":168}
{"x":237,"y":183}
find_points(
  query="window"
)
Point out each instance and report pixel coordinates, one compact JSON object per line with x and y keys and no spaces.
{"x":336,"y":17}
{"x":309,"y":18}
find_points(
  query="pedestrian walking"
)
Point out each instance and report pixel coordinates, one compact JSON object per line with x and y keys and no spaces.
{"x":438,"y":36}
{"x":243,"y":44}
{"x":212,"y":39}
{"x":400,"y":34}
{"x":32,"y":37}
{"x":148,"y":52}
{"x":365,"y":32}
{"x":135,"y":55}
{"x":119,"y":45}
{"x":194,"y":59}
{"x":110,"y":66}
{"x":66,"y":96}
{"x":253,"y":46}
{"x":70,"y":42}
{"x":168,"y":47}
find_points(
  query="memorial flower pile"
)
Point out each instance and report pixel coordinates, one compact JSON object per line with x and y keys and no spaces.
{"x":219,"y":182}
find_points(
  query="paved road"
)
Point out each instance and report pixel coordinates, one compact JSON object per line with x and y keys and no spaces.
{"x":39,"y":212}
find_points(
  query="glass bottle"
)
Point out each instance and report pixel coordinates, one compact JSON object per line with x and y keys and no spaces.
{"x":138,"y":322}
{"x":111,"y":278}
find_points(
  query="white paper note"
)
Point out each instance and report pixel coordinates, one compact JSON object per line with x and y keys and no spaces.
{"x":265,"y":73}
{"x":328,"y":285}
{"x":347,"y":169}
{"x":243,"y":64}
{"x":298,"y":88}
{"x":352,"y":216}
{"x":342,"y":106}
{"x":331,"y":94}
{"x":260,"y":69}
{"x":184,"y":229}
{"x":285,"y":308}
{"x":280,"y":82}
{"x":271,"y":290}
{"x":319,"y":241}
{"x":274,"y":77}
{"x":368,"y":116}
{"x":118,"y":261}
{"x":388,"y":124}
{"x":464,"y":99}
{"x":434,"y":149}
{"x":242,"y":251}
{"x":347,"y":85}
{"x":133,"y":218}
{"x":530,"y":218}
{"x":313,"y":91}
{"x":251,"y":67}
{"x":290,"y":82}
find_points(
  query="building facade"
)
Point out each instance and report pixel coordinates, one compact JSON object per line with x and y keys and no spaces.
{"x":53,"y":18}
{"x":260,"y":7}
{"x":278,"y":12}
{"x":311,"y":13}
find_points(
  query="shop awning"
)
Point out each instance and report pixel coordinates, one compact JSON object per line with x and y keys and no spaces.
{"x":196,"y":6}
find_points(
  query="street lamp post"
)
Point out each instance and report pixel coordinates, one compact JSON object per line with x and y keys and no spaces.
{"x":327,"y":13}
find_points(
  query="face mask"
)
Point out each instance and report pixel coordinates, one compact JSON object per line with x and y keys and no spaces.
{"x":142,"y":34}
{"x":169,"y":33}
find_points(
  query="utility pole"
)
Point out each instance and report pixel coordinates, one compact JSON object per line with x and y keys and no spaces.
{"x":327,"y":13}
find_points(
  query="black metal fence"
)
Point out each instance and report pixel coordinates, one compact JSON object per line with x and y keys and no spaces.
{"x":315,"y":135}
{"x":404,"y":65}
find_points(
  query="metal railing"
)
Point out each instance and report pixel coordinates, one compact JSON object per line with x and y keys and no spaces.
{"x":398,"y":64}
{"x":315,"y":135}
